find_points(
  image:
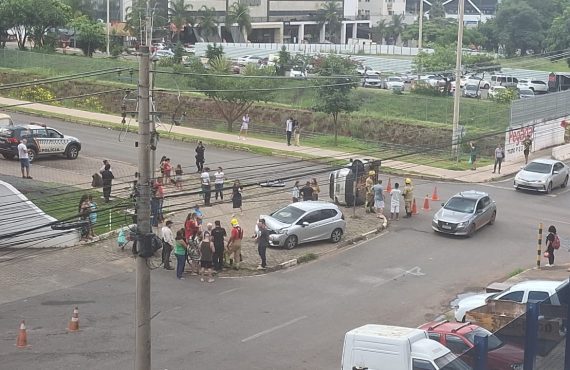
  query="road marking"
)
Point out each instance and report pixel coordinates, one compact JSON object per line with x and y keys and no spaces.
{"x":270,"y":330}
{"x":559,"y":193}
{"x":414,"y":271}
{"x":556,"y":221}
{"x":228,"y":291}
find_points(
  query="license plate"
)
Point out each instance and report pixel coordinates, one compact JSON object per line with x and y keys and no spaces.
{"x":447,"y":227}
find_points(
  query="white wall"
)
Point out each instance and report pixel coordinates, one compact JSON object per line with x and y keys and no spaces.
{"x":544,"y":135}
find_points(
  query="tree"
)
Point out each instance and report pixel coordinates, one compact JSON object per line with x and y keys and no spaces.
{"x":442,"y":60}
{"x":90,"y":35}
{"x":178,"y":14}
{"x":214,"y":51}
{"x":380,"y":31}
{"x":207,"y":21}
{"x":80,"y":7}
{"x":437,"y":11}
{"x":396,"y":26}
{"x":283,"y":61}
{"x":135,"y":17}
{"x":239,"y":13}
{"x":330,"y":15}
{"x":519,"y":27}
{"x":335,"y":95}
{"x":6,"y":23}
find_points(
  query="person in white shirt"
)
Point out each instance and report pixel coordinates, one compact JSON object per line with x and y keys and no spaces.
{"x":206,"y":187}
{"x":167,"y":244}
{"x":295,"y":193}
{"x":244,"y":127}
{"x":395,"y":194}
{"x":24,"y":158}
{"x":289,"y":129}
{"x":219,"y":183}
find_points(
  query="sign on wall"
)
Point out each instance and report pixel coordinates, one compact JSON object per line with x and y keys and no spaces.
{"x":544,"y":134}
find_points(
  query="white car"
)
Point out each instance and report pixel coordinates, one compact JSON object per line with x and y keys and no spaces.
{"x":297,"y":73}
{"x":474,"y":80}
{"x":527,"y":291}
{"x":495,"y":91}
{"x":433,"y":80}
{"x":536,"y":86}
{"x":526,"y":93}
{"x":394,"y":83}
{"x":362,"y":70}
{"x":542,"y":175}
{"x":371,"y":80}
{"x":249,"y":59}
{"x":164,"y":53}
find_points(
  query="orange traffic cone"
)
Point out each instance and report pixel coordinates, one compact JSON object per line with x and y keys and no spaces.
{"x":434,"y":195}
{"x":74,"y":322}
{"x":22,"y":341}
{"x":414,"y":207}
{"x":426,"y":203}
{"x":389,"y":186}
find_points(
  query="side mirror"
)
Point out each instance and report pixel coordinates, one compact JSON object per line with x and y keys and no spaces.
{"x":556,"y":172}
{"x":305,"y":224}
{"x":479,"y":211}
{"x":442,"y":204}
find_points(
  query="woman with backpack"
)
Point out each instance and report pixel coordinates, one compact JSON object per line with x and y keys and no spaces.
{"x":552,"y":243}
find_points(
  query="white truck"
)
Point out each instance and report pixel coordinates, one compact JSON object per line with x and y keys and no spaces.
{"x":384,"y":347}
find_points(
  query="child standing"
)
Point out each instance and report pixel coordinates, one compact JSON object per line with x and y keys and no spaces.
{"x":207,"y":254}
{"x":178,"y":178}
{"x":395,"y":194}
{"x":92,"y":216}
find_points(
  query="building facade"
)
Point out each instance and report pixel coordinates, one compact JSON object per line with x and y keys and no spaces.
{"x":476,"y":11}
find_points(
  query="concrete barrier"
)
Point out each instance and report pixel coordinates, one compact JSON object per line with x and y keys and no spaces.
{"x":561,"y":152}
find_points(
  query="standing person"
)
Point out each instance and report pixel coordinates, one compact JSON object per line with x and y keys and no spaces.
{"x":206,"y":187}
{"x":168,"y":243}
{"x":200,"y":159}
{"x":237,"y":196}
{"x":105,"y":162}
{"x":191,"y":227}
{"x":473,"y":155}
{"x":295,"y":192}
{"x":316,"y":189}
{"x":161,"y":165}
{"x":206,"y":254}
{"x":219,"y":236}
{"x":262,"y":239}
{"x":395,"y":196}
{"x":527,"y":144}
{"x":92,"y":215}
{"x":244,"y":127}
{"x":378,"y":191}
{"x":219,"y":183}
{"x":289,"y":129}
{"x":369,"y":183}
{"x":167,"y":171}
{"x":83,"y":211}
{"x":552,"y":243}
{"x":24,"y":158}
{"x":180,"y":250}
{"x":107,"y":177}
{"x":297,"y":132}
{"x":306,"y":192}
{"x":199,"y":216}
{"x":157,"y":202}
{"x":408,"y":197}
{"x":178,"y":177}
{"x":234,"y":244}
{"x":499,"y":156}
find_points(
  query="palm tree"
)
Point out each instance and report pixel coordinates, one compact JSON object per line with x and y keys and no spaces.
{"x":178,"y":14}
{"x":380,"y":31}
{"x":134,"y":18}
{"x":207,"y":21}
{"x":396,"y":26}
{"x":330,"y":13}
{"x":239,"y":13}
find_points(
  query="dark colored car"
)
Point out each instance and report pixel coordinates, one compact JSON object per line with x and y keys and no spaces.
{"x":460,"y":338}
{"x":42,"y":141}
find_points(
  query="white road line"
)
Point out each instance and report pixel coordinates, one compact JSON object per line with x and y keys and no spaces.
{"x":556,"y":221}
{"x":270,"y":330}
{"x":228,"y":291}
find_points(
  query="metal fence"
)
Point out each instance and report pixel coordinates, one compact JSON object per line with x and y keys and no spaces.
{"x":540,"y":108}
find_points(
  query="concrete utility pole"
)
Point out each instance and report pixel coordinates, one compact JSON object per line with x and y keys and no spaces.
{"x":455,"y":136}
{"x":420,"y":34}
{"x":108,"y":30}
{"x":142,"y":318}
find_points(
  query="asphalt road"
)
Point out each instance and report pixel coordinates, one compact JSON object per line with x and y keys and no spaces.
{"x":294,"y":319}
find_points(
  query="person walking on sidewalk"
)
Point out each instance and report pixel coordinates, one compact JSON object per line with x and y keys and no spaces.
{"x":219,"y":237}
{"x":206,"y":187}
{"x":408,"y":197}
{"x":234,"y":244}
{"x":200,"y":158}
{"x":107,"y":177}
{"x":552,"y":243}
{"x":395,"y":196}
{"x":24,"y":158}
{"x":499,"y":156}
{"x":297,"y":132}
{"x":180,"y":250}
{"x":289,"y":129}
{"x":473,"y":155}
{"x":219,"y":183}
{"x":262,"y":239}
{"x":295,"y":192}
{"x":206,"y":254}
{"x":244,"y":127}
{"x":527,"y":145}
{"x":168,"y":243}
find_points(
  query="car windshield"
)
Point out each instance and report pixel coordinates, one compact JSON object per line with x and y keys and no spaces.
{"x":288,"y":215}
{"x":493,"y":343}
{"x":460,"y":204}
{"x":470,"y":87}
{"x":538,"y":167}
{"x":395,"y":79}
{"x":451,"y":362}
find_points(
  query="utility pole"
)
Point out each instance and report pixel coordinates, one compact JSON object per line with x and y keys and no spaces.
{"x":108,"y":30}
{"x":457,"y":96}
{"x":420,"y":35}
{"x":144,"y":230}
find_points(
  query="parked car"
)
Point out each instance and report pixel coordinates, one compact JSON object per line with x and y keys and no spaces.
{"x":362,"y":70}
{"x":394,"y":83}
{"x":371,"y":80}
{"x":536,"y":86}
{"x":189,"y":48}
{"x":465,"y":213}
{"x":5,"y":120}
{"x":474,"y":80}
{"x":249,"y":59}
{"x":495,"y":91}
{"x":527,"y":291}
{"x":471,"y":91}
{"x":460,"y":338}
{"x":304,"y":222}
{"x":163,"y":53}
{"x":503,"y":80}
{"x":433,"y":80}
{"x":297,"y":72}
{"x":542,"y":175}
{"x":42,"y":140}
{"x":526,"y":93}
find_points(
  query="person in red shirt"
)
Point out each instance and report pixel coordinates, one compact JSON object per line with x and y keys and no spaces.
{"x":234,"y":244}
{"x":166,"y":171}
{"x":191,"y":227}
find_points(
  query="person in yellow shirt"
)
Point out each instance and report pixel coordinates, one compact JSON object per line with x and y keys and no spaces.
{"x":408,"y":197}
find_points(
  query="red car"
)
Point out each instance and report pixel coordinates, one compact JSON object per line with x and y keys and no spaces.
{"x":460,"y":337}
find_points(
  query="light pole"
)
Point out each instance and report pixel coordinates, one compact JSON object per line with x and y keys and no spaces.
{"x":420,"y":35}
{"x":108,"y":30}
{"x":457,"y":96}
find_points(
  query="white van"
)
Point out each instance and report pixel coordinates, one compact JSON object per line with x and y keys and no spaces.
{"x":384,"y":347}
{"x":503,"y":80}
{"x":343,"y":183}
{"x":5,"y":120}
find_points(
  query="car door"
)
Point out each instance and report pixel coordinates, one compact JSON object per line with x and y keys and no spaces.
{"x":487,"y":209}
{"x":456,"y":344}
{"x":55,"y":141}
{"x":558,"y":174}
{"x":480,"y":213}
{"x":309,"y":223}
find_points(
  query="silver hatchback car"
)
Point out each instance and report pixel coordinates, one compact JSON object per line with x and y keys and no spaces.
{"x":465,"y":213}
{"x":304,"y":222}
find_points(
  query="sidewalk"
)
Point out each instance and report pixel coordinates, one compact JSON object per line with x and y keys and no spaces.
{"x":482,"y":174}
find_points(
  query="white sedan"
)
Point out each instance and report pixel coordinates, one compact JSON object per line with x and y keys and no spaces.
{"x":394,"y":83}
{"x":537,"y":86}
{"x":249,"y":59}
{"x":542,"y":175}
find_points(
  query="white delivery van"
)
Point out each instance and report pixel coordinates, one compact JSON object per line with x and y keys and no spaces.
{"x":384,"y":347}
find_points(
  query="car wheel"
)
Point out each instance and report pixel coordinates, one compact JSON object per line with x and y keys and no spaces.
{"x":471,"y":230}
{"x":565,"y":183}
{"x":291,"y":242}
{"x":8,"y":156}
{"x":549,"y":188}
{"x":32,"y":154}
{"x":493,"y":217}
{"x":336,"y":235}
{"x":72,"y":152}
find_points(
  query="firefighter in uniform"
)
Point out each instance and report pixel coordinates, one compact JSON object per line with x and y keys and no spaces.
{"x":408,"y":197}
{"x":369,"y":204}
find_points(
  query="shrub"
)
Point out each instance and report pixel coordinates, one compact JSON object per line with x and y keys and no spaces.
{"x":428,"y":90}
{"x":37,"y":94}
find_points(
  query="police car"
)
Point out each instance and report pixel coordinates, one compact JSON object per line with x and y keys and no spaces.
{"x":42,"y":141}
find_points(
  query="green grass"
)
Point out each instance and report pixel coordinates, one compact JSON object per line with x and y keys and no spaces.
{"x":537,"y":64}
{"x":307,"y":258}
{"x":515,"y":272}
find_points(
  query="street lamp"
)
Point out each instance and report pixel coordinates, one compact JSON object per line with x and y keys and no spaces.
{"x":457,"y":96}
{"x":108,"y":30}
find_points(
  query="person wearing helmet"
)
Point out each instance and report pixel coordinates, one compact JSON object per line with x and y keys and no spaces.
{"x":369,"y":202}
{"x":233,"y":247}
{"x":408,"y":197}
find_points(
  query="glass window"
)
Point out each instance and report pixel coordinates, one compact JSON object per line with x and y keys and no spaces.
{"x":53,"y":134}
{"x":422,"y":365}
{"x":39,"y":133}
{"x":493,"y":341}
{"x":456,"y":344}
{"x":312,"y":217}
{"x":513,"y":296}
{"x":558,"y":166}
{"x":538,"y":297}
{"x":434,"y":336}
{"x":460,"y":204}
{"x":538,"y":167}
{"x":288,"y":215}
